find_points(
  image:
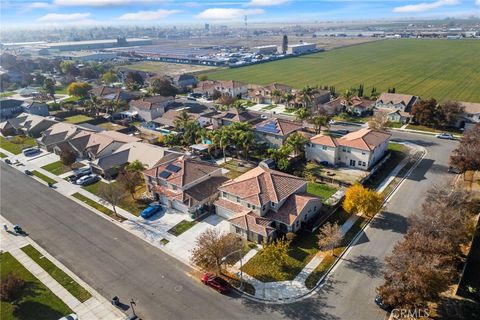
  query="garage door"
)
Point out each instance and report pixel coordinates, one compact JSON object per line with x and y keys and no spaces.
{"x":222,"y":212}
{"x":178,"y":206}
{"x":163,"y":200}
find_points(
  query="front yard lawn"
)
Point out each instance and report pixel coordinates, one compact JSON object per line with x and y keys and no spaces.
{"x":57,"y":168}
{"x":37,"y":301}
{"x":302,"y":250}
{"x":134,"y":206}
{"x":3,"y":155}
{"x":235,"y":168}
{"x":16,"y":148}
{"x":43,"y":177}
{"x":393,"y":146}
{"x":320,"y":190}
{"x":97,"y":206}
{"x":181,"y":227}
{"x":61,"y":277}
{"x":79,"y":118}
{"x":349,"y":118}
{"x":269,"y":107}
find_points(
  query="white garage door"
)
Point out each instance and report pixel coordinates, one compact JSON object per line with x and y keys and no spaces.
{"x":222,"y":212}
{"x":178,"y":206}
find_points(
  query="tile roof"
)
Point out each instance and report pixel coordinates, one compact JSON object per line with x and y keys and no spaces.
{"x":470,"y":107}
{"x":324,"y":140}
{"x":291,"y":208}
{"x":230,"y":206}
{"x":279,"y":126}
{"x":396,"y":98}
{"x":231,"y":84}
{"x":364,"y":139}
{"x":233,"y":114}
{"x":203,"y":191}
{"x":150,"y":102}
{"x":190,"y":170}
{"x":251,"y":222}
{"x":261,"y":185}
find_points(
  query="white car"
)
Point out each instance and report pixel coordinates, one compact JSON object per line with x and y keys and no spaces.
{"x":71,"y":316}
{"x":264,"y":116}
{"x":332,"y":122}
{"x":445,"y":135}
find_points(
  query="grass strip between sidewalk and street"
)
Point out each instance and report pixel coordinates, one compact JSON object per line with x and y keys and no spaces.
{"x":36,"y":300}
{"x":3,"y":155}
{"x":43,"y":177}
{"x":181,"y":227}
{"x":97,"y":206}
{"x":58,"y":274}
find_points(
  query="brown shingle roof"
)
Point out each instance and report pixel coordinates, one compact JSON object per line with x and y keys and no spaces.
{"x":253,"y":223}
{"x":395,"y":98}
{"x":150,"y":102}
{"x":260,"y":185}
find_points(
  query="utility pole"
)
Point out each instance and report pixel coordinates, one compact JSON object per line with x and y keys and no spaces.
{"x":132,"y":303}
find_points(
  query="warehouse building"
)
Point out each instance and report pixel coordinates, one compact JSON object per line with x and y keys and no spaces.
{"x":268,"y":49}
{"x":301,"y":48}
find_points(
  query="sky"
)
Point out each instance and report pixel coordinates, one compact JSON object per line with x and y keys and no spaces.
{"x":16,"y":13}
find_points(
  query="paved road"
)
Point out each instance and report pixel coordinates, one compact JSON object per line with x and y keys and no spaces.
{"x":117,"y":263}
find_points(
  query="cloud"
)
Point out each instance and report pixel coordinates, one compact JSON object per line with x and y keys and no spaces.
{"x":266,"y":3}
{"x":477,"y":2}
{"x":147,"y":15}
{"x":96,"y":3}
{"x":227,"y":13}
{"x":37,"y":5}
{"x":64,"y":17}
{"x":425,"y":6}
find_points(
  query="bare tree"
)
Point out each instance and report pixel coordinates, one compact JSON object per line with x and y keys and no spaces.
{"x":111,"y":193}
{"x":68,"y":157}
{"x":467,"y":155}
{"x":330,"y":237}
{"x":211,"y":248}
{"x":129,"y":180}
{"x":379,"y":121}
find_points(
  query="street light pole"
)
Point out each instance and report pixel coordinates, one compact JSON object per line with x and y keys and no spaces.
{"x":241,"y":266}
{"x":132,"y":303}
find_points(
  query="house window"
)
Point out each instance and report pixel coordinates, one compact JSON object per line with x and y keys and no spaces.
{"x":263,"y":208}
{"x":363,"y":152}
{"x":253,"y":207}
{"x":324,"y":147}
{"x":238,"y":230}
{"x":224,"y":194}
{"x":297,"y":223}
{"x":344,"y":149}
{"x":349,"y":150}
{"x":248,"y":205}
{"x":238,"y":199}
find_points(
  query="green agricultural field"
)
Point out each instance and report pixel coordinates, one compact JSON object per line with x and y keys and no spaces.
{"x":443,"y":69}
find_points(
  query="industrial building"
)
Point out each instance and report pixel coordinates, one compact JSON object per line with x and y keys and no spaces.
{"x":268,"y":49}
{"x":84,"y":56}
{"x":301,"y":48}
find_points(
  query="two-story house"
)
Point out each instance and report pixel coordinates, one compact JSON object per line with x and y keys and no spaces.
{"x":272,"y":93}
{"x":470,"y":115}
{"x":26,"y":124}
{"x":396,"y":106}
{"x":361,"y":149}
{"x":275,"y":131}
{"x":262,"y":202}
{"x":57,"y":134}
{"x":228,"y":87}
{"x":37,"y":108}
{"x":185,"y":184}
{"x":10,"y":108}
{"x":150,"y":108}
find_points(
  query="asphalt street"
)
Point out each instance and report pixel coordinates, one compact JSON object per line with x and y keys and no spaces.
{"x":115,"y":262}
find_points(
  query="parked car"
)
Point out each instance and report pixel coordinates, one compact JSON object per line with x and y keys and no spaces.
{"x":71,"y":316}
{"x":264,"y":116}
{"x":445,"y":135}
{"x":454,"y":170}
{"x":379,"y":302}
{"x":78,"y":174}
{"x":88,"y":179}
{"x":7,"y":161}
{"x":28,"y":172}
{"x":151,"y":210}
{"x":216,"y":283}
{"x":31,"y":152}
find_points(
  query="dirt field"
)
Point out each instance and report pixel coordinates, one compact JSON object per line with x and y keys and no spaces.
{"x":167,"y":68}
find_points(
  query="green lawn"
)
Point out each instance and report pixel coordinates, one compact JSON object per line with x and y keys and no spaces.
{"x":6,"y":94}
{"x":181,"y":227}
{"x":61,"y":277}
{"x":348,"y":118}
{"x":79,"y":118}
{"x":442,"y":69}
{"x":14,"y":147}
{"x":269,"y":107}
{"x":3,"y":155}
{"x":320,"y":190}
{"x":57,"y":168}
{"x":37,"y":302}
{"x":394,"y":124}
{"x":134,"y":206}
{"x":302,"y":250}
{"x":97,"y":206}
{"x":43,"y":177}
{"x":393,"y":146}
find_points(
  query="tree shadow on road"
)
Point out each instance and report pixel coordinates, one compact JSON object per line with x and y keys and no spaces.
{"x":419,"y":173}
{"x":390,"y":221}
{"x":315,"y":307}
{"x":365,"y":264}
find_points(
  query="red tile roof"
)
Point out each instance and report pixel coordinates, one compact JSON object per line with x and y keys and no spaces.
{"x":251,"y":222}
{"x":324,"y":140}
{"x":292,"y":208}
{"x":364,"y":139}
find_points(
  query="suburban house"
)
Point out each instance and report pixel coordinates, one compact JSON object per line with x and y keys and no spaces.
{"x":184,"y":80}
{"x":185,"y":184}
{"x":26,"y":124}
{"x":123,"y":72}
{"x":396,"y":101}
{"x":275,"y":131}
{"x":113,"y":94}
{"x":268,"y":94}
{"x":150,"y":108}
{"x":38,"y":108}
{"x":10,"y":108}
{"x":332,"y":107}
{"x":396,"y":115}
{"x":93,"y":145}
{"x":361,"y":149}
{"x":225,"y":118}
{"x":263,"y":201}
{"x":195,"y":110}
{"x":57,"y":134}
{"x":359,"y":106}
{"x":470,"y":115}
{"x":150,"y":155}
{"x":229,"y":87}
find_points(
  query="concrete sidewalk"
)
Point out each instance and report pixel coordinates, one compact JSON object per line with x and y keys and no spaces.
{"x":97,"y":307}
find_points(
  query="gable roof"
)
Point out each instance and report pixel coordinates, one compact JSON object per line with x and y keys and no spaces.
{"x":396,"y":98}
{"x":324,"y":140}
{"x":470,"y":107}
{"x":7,"y":103}
{"x":29,"y":121}
{"x":254,"y":223}
{"x":278,"y":126}
{"x":292,"y":208}
{"x":189,"y":171}
{"x":364,"y":139}
{"x":233,"y":114}
{"x":150,"y":102}
{"x":231,"y":84}
{"x":98,"y":141}
{"x":261,"y":185}
{"x":58,"y":132}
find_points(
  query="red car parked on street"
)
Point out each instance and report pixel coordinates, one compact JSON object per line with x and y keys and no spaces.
{"x":216,"y":283}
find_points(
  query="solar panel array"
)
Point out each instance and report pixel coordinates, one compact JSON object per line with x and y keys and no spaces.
{"x":165,"y":174}
{"x":270,"y":127}
{"x":173,"y":168}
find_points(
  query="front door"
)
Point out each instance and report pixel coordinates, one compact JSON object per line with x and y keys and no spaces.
{"x":352,"y":163}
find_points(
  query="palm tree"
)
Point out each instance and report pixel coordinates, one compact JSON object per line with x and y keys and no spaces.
{"x":297,"y":142}
{"x":248,"y":140}
{"x":224,"y":140}
{"x":319,"y":122}
{"x":276,"y":95}
{"x":214,"y":137}
{"x":288,"y":98}
{"x":181,"y":120}
{"x":302,"y":114}
{"x":191,"y":132}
